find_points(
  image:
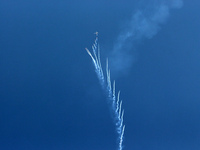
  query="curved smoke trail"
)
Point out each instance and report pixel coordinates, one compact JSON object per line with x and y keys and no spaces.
{"x":116,"y":103}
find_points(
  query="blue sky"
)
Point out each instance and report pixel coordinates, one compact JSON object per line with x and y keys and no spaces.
{"x":50,"y":97}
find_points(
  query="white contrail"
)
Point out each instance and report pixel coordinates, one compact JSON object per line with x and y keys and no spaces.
{"x":116,"y":104}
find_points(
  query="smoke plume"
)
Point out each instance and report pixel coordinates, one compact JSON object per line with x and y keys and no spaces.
{"x":144,"y":24}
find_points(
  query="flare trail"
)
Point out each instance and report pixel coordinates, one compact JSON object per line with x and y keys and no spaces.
{"x":115,"y":102}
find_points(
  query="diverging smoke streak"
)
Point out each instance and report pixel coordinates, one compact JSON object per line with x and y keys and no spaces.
{"x":116,"y":103}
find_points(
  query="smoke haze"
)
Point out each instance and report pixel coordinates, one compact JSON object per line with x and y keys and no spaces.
{"x":144,"y":23}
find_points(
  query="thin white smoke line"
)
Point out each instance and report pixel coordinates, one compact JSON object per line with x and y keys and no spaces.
{"x":121,"y":138}
{"x":120,"y":107}
{"x":91,"y":57}
{"x":114,"y":89}
{"x":110,"y":90}
{"x":99,"y":60}
{"x":118,"y":101}
{"x":94,"y":52}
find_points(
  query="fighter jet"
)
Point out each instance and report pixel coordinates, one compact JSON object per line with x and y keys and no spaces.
{"x":96,"y":33}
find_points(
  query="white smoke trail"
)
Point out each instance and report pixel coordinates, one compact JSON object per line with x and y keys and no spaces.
{"x":145,"y":23}
{"x":116,"y":103}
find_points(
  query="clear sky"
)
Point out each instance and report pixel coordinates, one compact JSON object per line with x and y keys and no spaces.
{"x":51,"y":99}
